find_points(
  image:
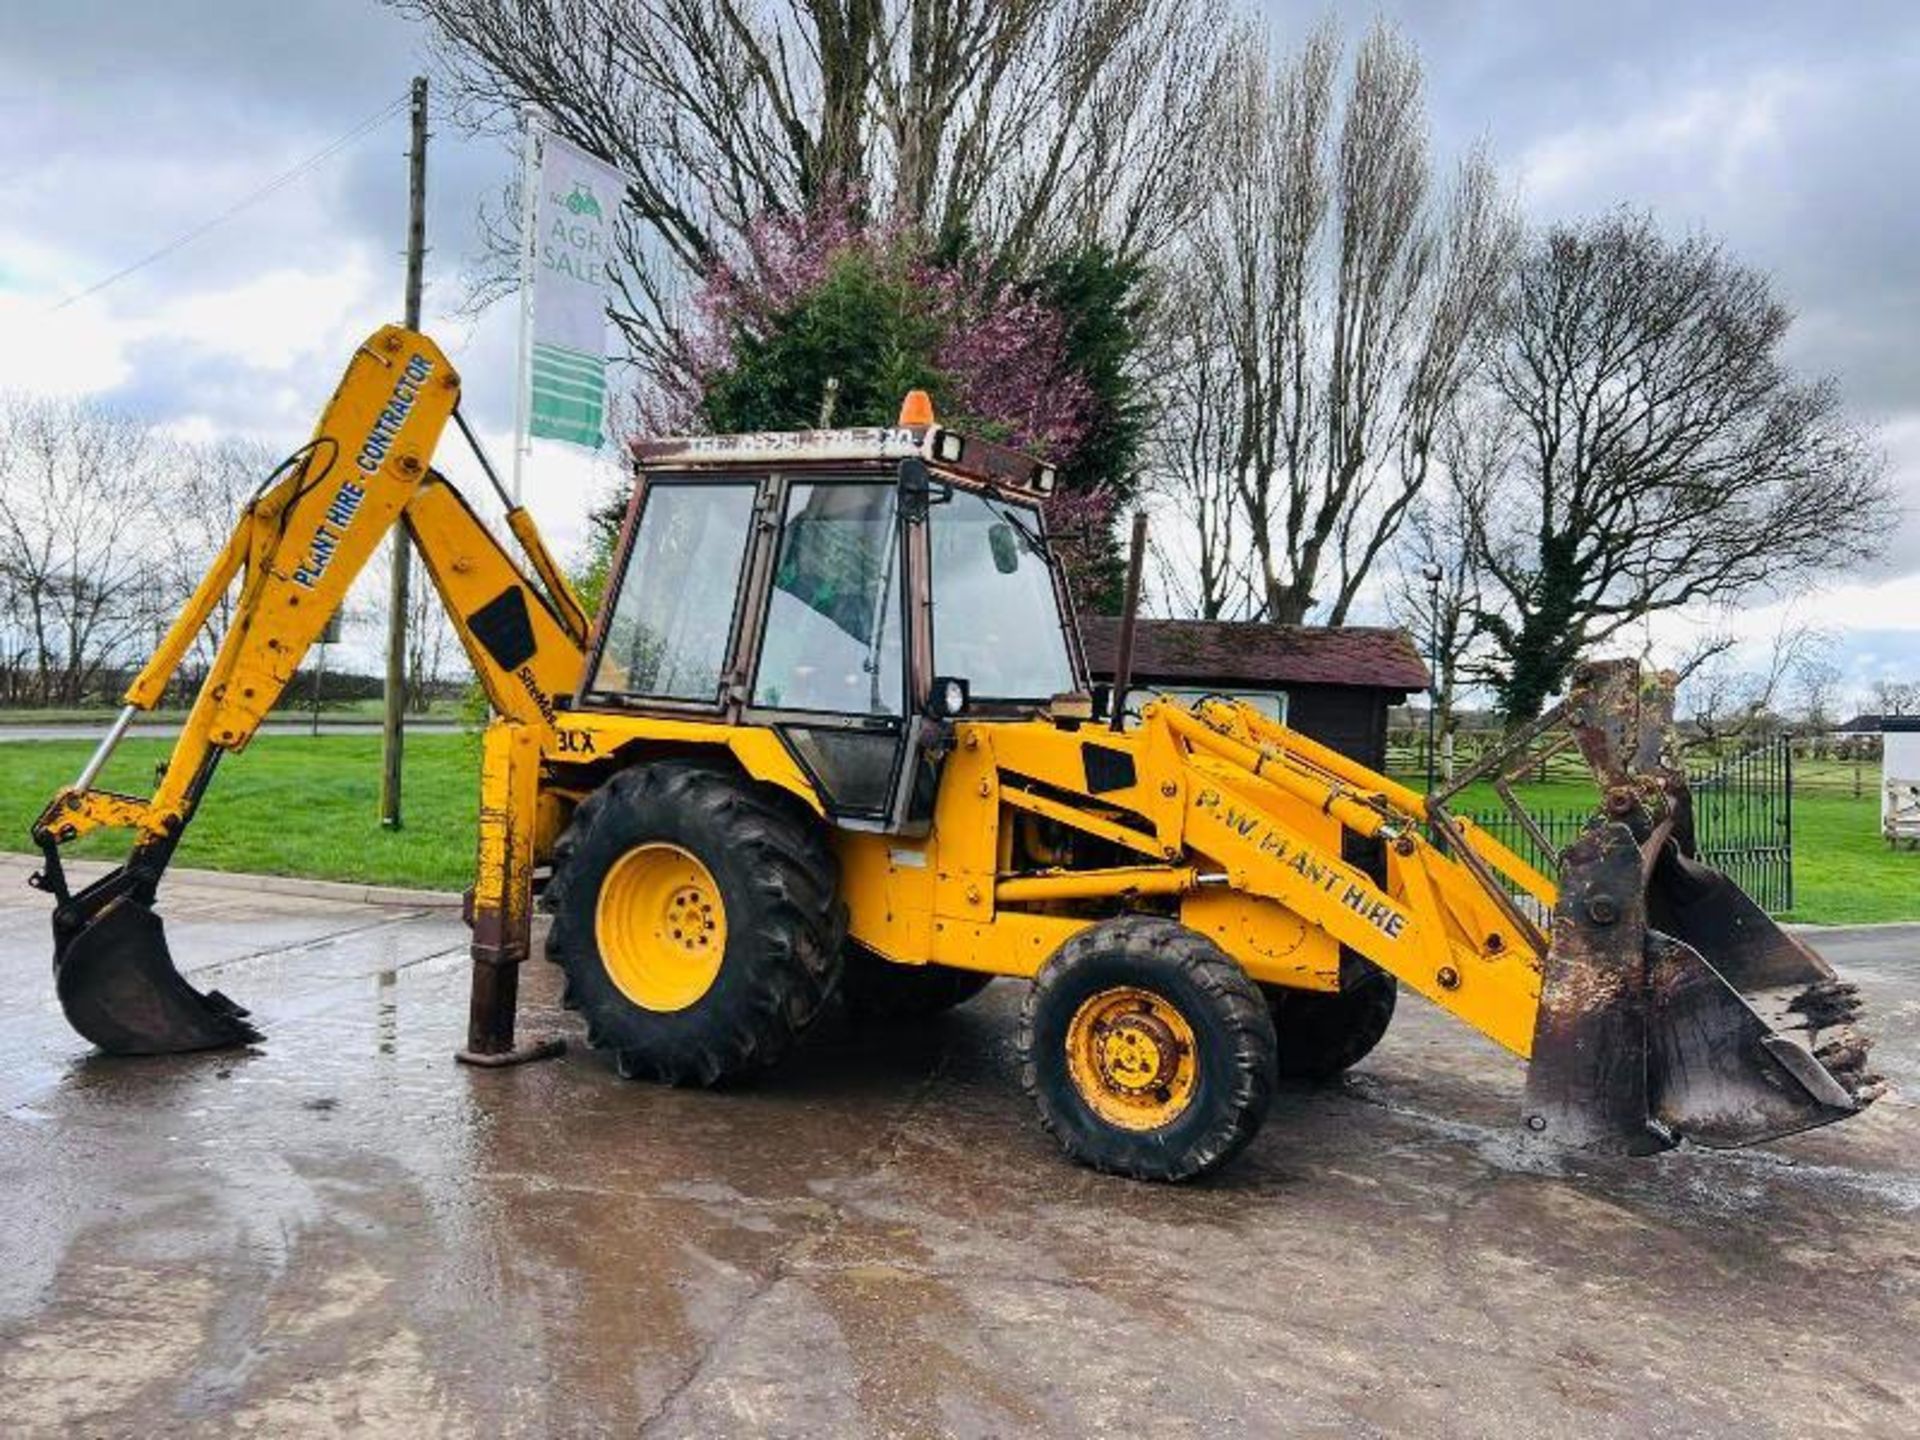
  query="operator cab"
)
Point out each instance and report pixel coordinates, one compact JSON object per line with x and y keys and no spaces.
{"x":852,"y":590}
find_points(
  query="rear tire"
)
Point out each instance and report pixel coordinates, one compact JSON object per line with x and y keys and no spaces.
{"x":1147,"y":1050}
{"x":1321,"y":1033}
{"x":876,"y":988}
{"x":668,"y":834}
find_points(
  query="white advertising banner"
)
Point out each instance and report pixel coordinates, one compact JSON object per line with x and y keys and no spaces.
{"x":577,"y":200}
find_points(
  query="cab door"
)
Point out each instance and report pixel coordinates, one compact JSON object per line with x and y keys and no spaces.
{"x":831,"y":676}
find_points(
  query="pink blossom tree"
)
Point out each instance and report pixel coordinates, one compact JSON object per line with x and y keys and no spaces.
{"x":997,"y":352}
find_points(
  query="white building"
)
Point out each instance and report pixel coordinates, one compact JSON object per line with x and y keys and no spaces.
{"x":1900,"y":777}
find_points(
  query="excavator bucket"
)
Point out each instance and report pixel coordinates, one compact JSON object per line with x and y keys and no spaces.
{"x":1672,"y":1007}
{"x":118,"y":984}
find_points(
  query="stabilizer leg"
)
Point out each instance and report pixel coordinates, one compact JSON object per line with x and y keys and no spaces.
{"x":503,"y":898}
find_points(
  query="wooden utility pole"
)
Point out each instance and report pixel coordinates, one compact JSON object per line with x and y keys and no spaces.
{"x":393,"y":731}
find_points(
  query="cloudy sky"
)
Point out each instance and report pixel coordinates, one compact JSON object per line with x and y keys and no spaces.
{"x":1786,"y":128}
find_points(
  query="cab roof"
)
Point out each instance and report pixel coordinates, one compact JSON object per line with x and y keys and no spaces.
{"x":948,"y":450}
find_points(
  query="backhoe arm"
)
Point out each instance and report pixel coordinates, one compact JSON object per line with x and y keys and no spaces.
{"x":295,"y":551}
{"x":525,"y":646}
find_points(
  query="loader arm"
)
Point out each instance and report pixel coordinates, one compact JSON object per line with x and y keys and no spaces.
{"x":1659,"y":1004}
{"x":1445,"y":928}
{"x":294,"y":552}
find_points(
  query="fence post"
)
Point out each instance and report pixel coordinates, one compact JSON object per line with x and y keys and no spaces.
{"x":1789,"y":823}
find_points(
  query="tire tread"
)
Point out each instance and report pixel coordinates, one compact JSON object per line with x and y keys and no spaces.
{"x":796,"y":938}
{"x":1153,"y":943}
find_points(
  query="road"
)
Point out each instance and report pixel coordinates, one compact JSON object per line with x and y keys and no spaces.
{"x":342,"y":1231}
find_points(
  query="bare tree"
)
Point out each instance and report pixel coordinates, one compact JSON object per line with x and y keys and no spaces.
{"x":16,"y":633}
{"x":78,"y":521}
{"x":1205,"y":569}
{"x":1896,"y":697}
{"x":1345,"y":291}
{"x":1726,"y":700}
{"x":432,"y":648}
{"x":205,"y":487}
{"x":1817,"y":695}
{"x":1668,"y":456}
{"x":1016,"y":126}
{"x":1437,"y":592}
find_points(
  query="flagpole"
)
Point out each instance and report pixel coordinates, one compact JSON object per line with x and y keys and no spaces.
{"x":529,"y":244}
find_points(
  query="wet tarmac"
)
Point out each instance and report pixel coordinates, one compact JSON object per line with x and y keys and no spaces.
{"x":340,"y":1231}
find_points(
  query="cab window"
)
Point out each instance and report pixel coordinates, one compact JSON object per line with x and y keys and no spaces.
{"x":672,"y":621}
{"x":833,"y":632}
{"x":996,"y":618}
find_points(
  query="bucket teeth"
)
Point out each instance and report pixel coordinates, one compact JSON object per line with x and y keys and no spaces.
{"x":1845,"y":1057}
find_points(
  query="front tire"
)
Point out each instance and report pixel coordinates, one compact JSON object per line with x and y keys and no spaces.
{"x":1147,"y":1050}
{"x":697,"y":919}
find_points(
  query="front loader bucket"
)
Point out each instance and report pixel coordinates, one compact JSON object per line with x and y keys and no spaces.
{"x":1673,"y":1008}
{"x":118,"y":985}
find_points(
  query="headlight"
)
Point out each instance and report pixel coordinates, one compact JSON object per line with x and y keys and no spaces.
{"x":949,"y":698}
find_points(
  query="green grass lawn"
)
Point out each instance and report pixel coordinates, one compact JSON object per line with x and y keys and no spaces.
{"x":287,"y":805}
{"x":1843,"y":872}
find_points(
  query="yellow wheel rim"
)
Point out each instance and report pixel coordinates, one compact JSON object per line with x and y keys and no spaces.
{"x":1131,"y":1057}
{"x":661,"y":926}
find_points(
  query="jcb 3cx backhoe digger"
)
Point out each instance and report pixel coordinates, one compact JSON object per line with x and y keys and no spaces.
{"x":832,"y":729}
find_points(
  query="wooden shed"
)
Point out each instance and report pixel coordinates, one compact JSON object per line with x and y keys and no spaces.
{"x":1335,"y":685}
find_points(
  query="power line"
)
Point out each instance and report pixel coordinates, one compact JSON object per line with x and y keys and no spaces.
{"x":253,"y":197}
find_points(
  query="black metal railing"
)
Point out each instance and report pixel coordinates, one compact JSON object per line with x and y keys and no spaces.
{"x":1742,"y":815}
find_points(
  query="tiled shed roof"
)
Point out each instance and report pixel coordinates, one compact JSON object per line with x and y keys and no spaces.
{"x":1250,"y":653}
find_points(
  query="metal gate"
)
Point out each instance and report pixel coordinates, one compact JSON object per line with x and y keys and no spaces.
{"x":1743,"y":819}
{"x":1743,"y":822}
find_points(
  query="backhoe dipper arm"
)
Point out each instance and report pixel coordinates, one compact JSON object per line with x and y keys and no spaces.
{"x":297,"y":548}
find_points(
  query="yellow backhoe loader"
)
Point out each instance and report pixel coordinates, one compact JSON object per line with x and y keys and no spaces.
{"x":832,"y":729}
